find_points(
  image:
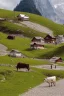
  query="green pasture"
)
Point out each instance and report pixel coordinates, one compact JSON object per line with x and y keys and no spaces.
{"x":19,"y":82}
{"x":11,"y":28}
{"x":13,"y":61}
{"x":57,"y":29}
{"x":15,"y":82}
{"x":23,"y":45}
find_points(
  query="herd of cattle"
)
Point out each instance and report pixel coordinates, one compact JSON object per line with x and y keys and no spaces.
{"x":50,"y":80}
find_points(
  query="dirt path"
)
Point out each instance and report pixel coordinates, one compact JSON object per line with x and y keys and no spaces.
{"x":44,"y":90}
{"x":49,"y":67}
{"x":36,"y":27}
{"x":3,"y":50}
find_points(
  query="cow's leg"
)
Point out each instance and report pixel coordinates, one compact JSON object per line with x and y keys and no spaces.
{"x":17,"y":69}
{"x":54,"y":83}
{"x":28,"y":69}
{"x":51,"y":83}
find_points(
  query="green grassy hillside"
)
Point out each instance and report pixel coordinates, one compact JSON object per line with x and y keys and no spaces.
{"x":58,"y":51}
{"x":23,"y":45}
{"x":15,"y":82}
{"x":18,"y":82}
{"x":57,"y":28}
{"x":9,"y":27}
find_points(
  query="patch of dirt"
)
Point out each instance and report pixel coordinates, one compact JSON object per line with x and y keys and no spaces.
{"x":37,"y":27}
{"x":3,"y":50}
{"x":49,"y":67}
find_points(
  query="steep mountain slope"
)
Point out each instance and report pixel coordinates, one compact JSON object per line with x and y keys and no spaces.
{"x":45,"y":8}
{"x":27,"y":6}
{"x":58,"y":6}
{"x":36,"y":6}
{"x":52,"y":9}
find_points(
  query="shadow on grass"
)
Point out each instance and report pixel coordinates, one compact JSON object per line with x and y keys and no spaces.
{"x":29,"y":49}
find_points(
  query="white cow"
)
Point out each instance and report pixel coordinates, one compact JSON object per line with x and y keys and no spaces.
{"x":51,"y":80}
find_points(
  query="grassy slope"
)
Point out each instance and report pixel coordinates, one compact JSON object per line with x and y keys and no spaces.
{"x":57,"y":28}
{"x":13,"y":61}
{"x":23,"y":30}
{"x":23,"y":45}
{"x":49,"y":52}
{"x":59,"y":51}
{"x":17,"y":83}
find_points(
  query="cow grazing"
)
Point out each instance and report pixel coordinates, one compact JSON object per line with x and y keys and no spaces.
{"x":22,"y":65}
{"x":11,"y":37}
{"x":51,"y":80}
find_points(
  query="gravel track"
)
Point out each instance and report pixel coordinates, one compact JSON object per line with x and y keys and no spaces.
{"x":3,"y":50}
{"x":49,"y":67}
{"x":44,"y":90}
{"x":36,"y":27}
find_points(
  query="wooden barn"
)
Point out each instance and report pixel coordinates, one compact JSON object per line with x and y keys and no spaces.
{"x":23,"y":17}
{"x":36,"y":46}
{"x":15,"y":53}
{"x":37,"y":43}
{"x":37,"y":39}
{"x":56,"y":59}
{"x":49,"y":39}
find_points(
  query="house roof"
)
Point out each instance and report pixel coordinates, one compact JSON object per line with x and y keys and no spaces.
{"x":38,"y":37}
{"x":49,"y":37}
{"x":13,"y":50}
{"x":23,"y":15}
{"x":53,"y":59}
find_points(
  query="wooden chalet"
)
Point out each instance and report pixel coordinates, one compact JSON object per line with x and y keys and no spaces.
{"x":49,"y":39}
{"x":37,"y":43}
{"x":36,"y":46}
{"x":56,"y":59}
{"x":37,"y":39}
{"x":23,"y":17}
{"x":15,"y":53}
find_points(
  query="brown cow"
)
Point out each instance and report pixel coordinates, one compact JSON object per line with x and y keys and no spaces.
{"x":22,"y":65}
